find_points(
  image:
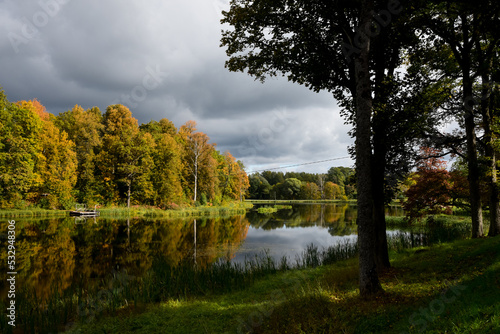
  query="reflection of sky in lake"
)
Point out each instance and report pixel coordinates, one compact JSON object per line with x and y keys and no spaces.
{"x":289,"y":242}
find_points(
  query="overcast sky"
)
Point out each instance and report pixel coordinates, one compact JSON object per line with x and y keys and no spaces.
{"x":162,"y":59}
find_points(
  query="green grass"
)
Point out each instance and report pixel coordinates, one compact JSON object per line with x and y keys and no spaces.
{"x":32,"y":213}
{"x":267,"y":210}
{"x":451,"y":287}
{"x":195,"y":212}
{"x":312,"y":201}
{"x":273,"y":209}
{"x":146,"y":212}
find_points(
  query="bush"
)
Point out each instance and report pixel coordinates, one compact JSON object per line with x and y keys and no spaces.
{"x":203,"y":199}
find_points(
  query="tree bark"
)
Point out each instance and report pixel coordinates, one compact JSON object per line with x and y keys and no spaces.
{"x":472,"y":160}
{"x":129,"y":184}
{"x":369,"y":283}
{"x":490,"y":155}
{"x":378,"y":175}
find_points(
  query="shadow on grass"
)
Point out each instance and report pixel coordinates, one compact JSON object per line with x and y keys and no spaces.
{"x":446,"y":289}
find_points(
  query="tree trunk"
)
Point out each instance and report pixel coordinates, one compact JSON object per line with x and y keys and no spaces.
{"x":473,"y":165}
{"x":490,"y":155}
{"x":378,"y":174}
{"x":129,"y":184}
{"x":494,"y":204}
{"x":368,"y":277}
{"x":195,"y":177}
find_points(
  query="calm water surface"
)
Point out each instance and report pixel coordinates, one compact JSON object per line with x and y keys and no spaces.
{"x":71,"y":252}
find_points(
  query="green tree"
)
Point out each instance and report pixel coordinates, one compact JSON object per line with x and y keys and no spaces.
{"x":259,"y":187}
{"x":290,"y":189}
{"x":167,"y":174}
{"x":273,"y":177}
{"x":19,"y":152}
{"x":470,"y":32}
{"x":339,"y":175}
{"x":126,"y":158}
{"x":328,"y":45}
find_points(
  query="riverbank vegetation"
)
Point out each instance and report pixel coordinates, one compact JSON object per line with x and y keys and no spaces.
{"x":227,"y":209}
{"x":451,"y":286}
{"x":231,"y":209}
{"x":85,"y":156}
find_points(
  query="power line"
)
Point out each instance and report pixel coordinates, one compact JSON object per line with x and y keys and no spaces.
{"x":298,"y":165}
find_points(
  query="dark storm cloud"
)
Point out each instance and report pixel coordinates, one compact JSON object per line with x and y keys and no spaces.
{"x":162,"y":59}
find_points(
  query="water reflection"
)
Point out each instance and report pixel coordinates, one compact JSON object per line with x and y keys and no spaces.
{"x":80,"y":253}
{"x":62,"y":252}
{"x":289,"y":232}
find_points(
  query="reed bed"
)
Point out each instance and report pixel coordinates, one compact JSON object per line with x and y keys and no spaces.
{"x":32,"y":213}
{"x":196,"y":212}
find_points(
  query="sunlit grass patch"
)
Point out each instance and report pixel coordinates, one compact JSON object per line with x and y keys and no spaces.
{"x":32,"y":213}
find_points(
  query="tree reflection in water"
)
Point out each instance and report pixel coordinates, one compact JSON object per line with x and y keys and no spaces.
{"x":83,"y":254}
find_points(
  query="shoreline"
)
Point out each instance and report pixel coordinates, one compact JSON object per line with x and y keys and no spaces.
{"x":139,"y":211}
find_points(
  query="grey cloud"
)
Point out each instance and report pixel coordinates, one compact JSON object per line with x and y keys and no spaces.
{"x":95,"y":53}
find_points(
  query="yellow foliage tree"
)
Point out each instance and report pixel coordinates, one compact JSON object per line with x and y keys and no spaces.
{"x":56,"y":163}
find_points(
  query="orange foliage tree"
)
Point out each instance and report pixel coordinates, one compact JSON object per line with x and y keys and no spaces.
{"x":433,"y":189}
{"x":57,"y":162}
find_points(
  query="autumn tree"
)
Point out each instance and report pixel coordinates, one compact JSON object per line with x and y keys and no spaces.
{"x":333,"y":191}
{"x":84,"y":128}
{"x":233,"y":179}
{"x":310,"y":190}
{"x":430,"y":187}
{"x":126,"y":158}
{"x":198,"y":157}
{"x":56,"y":163}
{"x":20,"y":151}
{"x":167,"y":174}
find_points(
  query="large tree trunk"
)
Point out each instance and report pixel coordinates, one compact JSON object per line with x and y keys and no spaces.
{"x":473,"y":165}
{"x":368,"y":277}
{"x":378,"y":174}
{"x":490,"y":155}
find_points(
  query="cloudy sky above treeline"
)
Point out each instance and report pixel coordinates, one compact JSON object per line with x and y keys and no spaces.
{"x":162,"y":59}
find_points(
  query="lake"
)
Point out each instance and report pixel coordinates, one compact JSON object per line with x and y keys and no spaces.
{"x":70,"y":252}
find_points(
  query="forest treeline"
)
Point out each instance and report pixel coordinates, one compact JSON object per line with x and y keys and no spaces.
{"x":87,"y":156}
{"x":338,"y":184}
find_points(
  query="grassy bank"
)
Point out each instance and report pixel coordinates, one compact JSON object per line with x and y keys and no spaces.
{"x":318,"y":201}
{"x":452,"y":288}
{"x":32,"y":213}
{"x":138,"y":211}
{"x":194,"y":212}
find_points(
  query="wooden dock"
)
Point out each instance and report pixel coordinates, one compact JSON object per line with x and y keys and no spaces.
{"x":85,"y":213}
{"x":82,"y":211}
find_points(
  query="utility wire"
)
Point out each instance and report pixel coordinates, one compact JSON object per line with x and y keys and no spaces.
{"x":298,"y":165}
